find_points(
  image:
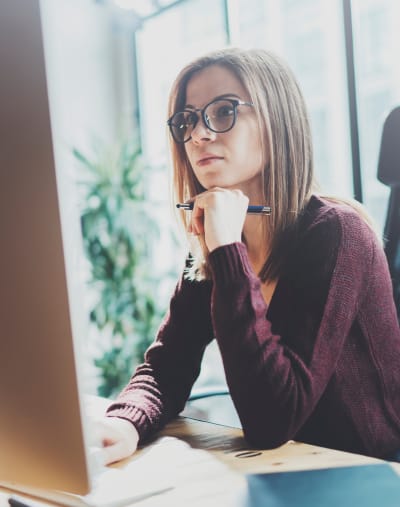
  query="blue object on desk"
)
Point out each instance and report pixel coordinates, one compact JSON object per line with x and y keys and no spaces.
{"x":356,"y":486}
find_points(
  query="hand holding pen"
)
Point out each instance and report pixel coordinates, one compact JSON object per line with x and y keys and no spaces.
{"x":219,"y":214}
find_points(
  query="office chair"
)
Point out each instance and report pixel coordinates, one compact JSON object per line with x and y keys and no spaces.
{"x":207,"y":392}
{"x":389,"y":174}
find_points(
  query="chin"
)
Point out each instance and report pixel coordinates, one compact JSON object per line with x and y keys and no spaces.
{"x":209,"y":183}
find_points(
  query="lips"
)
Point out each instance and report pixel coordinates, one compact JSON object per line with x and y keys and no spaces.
{"x":207,"y":158}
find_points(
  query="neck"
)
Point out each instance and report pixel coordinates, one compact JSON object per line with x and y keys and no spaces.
{"x":257,"y":244}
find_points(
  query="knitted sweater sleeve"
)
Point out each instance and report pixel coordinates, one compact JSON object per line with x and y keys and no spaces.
{"x":160,"y":386}
{"x":273,"y":386}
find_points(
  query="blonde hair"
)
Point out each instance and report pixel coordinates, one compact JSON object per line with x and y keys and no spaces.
{"x":287,"y":179}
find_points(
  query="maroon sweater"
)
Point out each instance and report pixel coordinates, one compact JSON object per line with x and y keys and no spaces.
{"x":320,"y":364}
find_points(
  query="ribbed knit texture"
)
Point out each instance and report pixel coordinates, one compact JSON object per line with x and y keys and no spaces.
{"x":320,"y":364}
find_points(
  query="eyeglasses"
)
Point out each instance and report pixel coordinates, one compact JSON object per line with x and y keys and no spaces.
{"x":219,"y":116}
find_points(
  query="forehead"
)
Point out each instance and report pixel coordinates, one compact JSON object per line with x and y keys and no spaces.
{"x":212,"y":82}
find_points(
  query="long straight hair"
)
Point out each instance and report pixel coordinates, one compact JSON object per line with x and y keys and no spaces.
{"x":287,"y":177}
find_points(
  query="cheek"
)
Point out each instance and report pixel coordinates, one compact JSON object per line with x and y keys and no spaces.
{"x":250,"y":150}
{"x":257,"y":151}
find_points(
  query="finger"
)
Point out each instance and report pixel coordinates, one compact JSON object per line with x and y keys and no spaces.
{"x":193,"y":198}
{"x":198,"y":218}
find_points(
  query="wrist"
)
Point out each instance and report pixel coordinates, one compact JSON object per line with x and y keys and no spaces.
{"x":230,"y":263}
{"x":220,"y":244}
{"x":127,"y":428}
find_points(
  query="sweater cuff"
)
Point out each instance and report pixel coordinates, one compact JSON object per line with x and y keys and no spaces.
{"x":230,"y":262}
{"x":132,"y":414}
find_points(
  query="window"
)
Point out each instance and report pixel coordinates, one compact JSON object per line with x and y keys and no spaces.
{"x":376,"y":43}
{"x":309,"y":36}
{"x":164,"y":45}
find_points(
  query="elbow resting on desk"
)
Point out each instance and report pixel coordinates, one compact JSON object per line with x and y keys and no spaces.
{"x":264,"y":439}
{"x":269,"y":424}
{"x":269,"y":420}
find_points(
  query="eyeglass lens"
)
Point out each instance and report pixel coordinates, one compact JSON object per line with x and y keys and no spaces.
{"x":219,"y":116}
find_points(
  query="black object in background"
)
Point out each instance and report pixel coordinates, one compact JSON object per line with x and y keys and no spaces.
{"x":389,"y":174}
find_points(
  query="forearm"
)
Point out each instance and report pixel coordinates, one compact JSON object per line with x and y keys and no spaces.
{"x":160,"y":386}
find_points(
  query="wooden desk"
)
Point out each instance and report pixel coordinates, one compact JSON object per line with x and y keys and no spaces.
{"x":227,"y":445}
{"x":216,"y":473}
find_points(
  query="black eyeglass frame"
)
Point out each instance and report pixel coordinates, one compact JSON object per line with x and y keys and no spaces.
{"x":235,"y":104}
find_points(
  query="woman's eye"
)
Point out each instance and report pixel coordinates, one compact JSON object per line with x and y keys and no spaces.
{"x":191,"y":119}
{"x":188,"y":120}
{"x":225,"y":111}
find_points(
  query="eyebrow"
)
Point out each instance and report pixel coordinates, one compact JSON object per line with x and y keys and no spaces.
{"x":223,"y":96}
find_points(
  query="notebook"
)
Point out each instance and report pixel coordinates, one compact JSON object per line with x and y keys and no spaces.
{"x":43,"y":431}
{"x":375,"y":485}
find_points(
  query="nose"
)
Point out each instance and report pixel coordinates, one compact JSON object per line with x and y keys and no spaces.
{"x":201,"y":133}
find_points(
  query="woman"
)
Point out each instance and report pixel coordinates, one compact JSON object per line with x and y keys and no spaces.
{"x":299,"y":301}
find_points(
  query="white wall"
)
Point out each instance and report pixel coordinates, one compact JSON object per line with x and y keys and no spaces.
{"x":81,"y":78}
{"x":85,"y":105}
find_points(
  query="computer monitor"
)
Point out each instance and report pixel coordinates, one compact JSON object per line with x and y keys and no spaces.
{"x":41,"y":434}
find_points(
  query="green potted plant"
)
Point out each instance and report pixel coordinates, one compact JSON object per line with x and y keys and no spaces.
{"x":118,"y":231}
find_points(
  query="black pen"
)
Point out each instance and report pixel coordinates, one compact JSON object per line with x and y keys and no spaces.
{"x":263,"y":210}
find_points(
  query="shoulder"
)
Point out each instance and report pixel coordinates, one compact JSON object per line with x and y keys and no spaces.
{"x":332,"y":232}
{"x":337,"y":220}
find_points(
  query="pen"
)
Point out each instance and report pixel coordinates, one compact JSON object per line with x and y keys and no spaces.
{"x":263,"y":210}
